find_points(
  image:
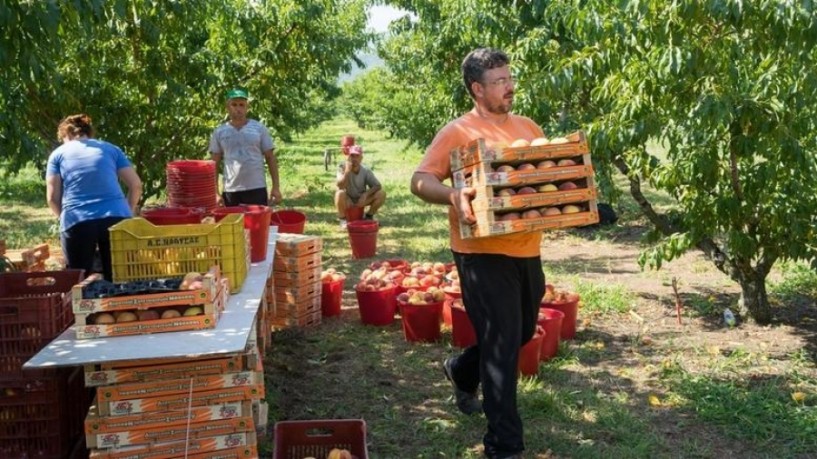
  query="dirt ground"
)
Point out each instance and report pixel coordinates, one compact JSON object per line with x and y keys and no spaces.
{"x":615,"y":262}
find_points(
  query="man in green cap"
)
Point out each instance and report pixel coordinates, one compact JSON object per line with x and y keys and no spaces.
{"x":244,"y":144}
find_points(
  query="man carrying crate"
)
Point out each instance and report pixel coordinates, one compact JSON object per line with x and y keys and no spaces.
{"x":501,"y":276}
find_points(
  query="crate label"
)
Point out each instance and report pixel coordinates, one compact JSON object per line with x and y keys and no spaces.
{"x":170,"y":241}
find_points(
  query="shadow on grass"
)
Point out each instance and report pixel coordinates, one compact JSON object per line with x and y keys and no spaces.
{"x":343,"y":369}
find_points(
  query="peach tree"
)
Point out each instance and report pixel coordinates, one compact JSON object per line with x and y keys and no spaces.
{"x":153,"y":74}
{"x":726,"y":87}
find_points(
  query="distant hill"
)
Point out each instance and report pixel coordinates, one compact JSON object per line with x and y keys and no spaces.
{"x":370,"y":60}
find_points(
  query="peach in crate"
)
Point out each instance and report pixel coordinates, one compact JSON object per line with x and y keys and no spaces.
{"x":95,"y":294}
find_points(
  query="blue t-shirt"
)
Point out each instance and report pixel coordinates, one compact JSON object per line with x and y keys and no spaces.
{"x":90,"y":184}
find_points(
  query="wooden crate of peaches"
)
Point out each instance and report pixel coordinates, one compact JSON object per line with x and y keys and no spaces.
{"x":547,"y":184}
{"x":193,"y":302}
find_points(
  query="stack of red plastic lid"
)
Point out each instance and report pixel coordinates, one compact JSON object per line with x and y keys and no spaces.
{"x":191,"y":183}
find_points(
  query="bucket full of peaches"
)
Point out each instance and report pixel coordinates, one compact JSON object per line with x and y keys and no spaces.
{"x":375,"y":297}
{"x":421,"y":313}
{"x":566,"y":302}
{"x":331,"y":291}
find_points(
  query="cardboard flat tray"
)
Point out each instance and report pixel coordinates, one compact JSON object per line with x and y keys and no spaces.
{"x":96,"y":376}
{"x":165,"y":433}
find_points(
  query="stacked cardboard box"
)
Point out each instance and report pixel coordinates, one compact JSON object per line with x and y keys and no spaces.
{"x":295,"y":285}
{"x":202,"y":408}
{"x":522,"y":189}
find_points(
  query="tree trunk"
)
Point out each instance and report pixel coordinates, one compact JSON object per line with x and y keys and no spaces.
{"x":752,"y":280}
{"x":753,"y":297}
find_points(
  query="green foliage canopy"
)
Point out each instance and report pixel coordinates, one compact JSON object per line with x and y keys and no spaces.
{"x":153,"y":74}
{"x":724,"y":85}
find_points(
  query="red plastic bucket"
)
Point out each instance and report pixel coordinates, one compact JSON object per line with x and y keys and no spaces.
{"x":450,"y":296}
{"x":377,"y":307}
{"x":570,"y":309}
{"x":551,"y":321}
{"x":256,"y":219}
{"x":288,"y":221}
{"x":354,"y":213}
{"x":529,"y":354}
{"x":172,"y":215}
{"x":363,"y":238}
{"x":331,"y":295}
{"x":421,"y":322}
{"x":462,"y":331}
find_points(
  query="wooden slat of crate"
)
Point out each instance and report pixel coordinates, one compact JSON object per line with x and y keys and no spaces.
{"x":297,"y":294}
{"x":490,"y":226}
{"x":478,"y":151}
{"x":526,"y":201}
{"x":296,"y":245}
{"x":307,"y":320}
{"x":292,"y":310}
{"x":297,"y":264}
{"x":483,"y":174}
{"x":294,"y":279}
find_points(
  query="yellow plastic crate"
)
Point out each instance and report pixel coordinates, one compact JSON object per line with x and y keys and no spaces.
{"x":141,"y":250}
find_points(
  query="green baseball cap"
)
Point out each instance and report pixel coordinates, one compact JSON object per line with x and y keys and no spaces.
{"x":237,"y":94}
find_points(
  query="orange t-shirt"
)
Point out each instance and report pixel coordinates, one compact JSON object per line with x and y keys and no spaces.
{"x":437,"y":162}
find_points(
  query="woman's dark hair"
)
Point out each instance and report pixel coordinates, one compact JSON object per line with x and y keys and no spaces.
{"x":478,"y":61}
{"x":75,"y":126}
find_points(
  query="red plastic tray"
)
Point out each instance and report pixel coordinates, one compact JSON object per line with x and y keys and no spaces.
{"x":34,"y":308}
{"x":42,"y":417}
{"x":299,"y":439}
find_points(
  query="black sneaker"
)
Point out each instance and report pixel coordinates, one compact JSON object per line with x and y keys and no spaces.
{"x":467,"y":402}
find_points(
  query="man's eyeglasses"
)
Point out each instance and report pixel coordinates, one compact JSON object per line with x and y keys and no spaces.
{"x":501,"y":82}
